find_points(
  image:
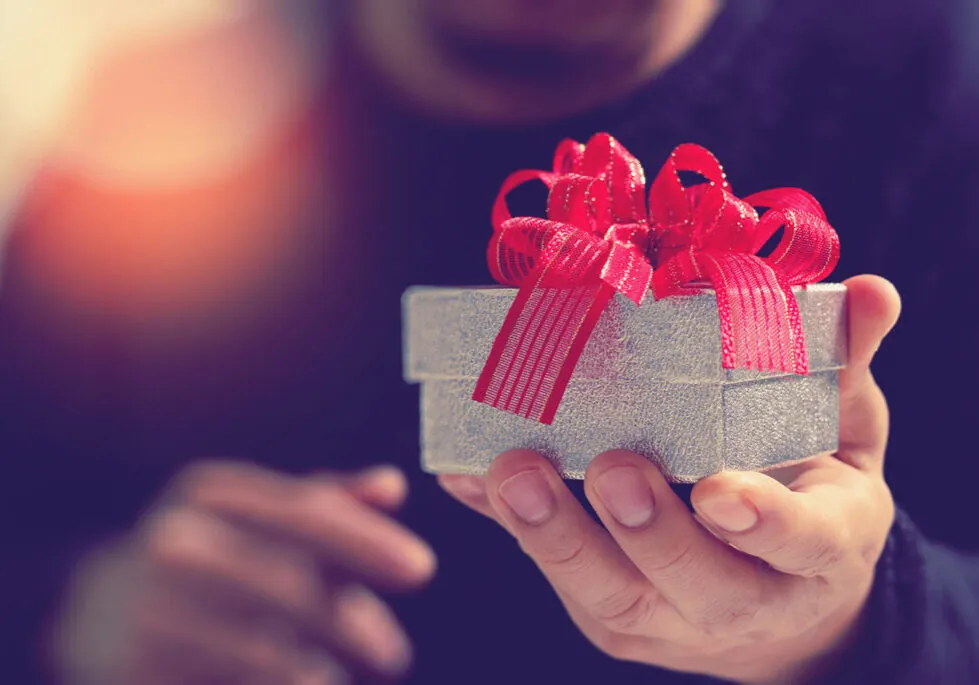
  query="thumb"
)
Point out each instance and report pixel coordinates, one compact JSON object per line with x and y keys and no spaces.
{"x":874,"y":306}
{"x":873,"y":309}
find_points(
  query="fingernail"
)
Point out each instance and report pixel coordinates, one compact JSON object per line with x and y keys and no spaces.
{"x":730,"y":512}
{"x":529,"y":496}
{"x":625,"y":493}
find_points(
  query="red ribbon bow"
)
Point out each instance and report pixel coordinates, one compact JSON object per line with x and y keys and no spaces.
{"x":597,"y":240}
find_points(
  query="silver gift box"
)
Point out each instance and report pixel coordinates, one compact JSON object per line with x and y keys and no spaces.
{"x":649,"y":380}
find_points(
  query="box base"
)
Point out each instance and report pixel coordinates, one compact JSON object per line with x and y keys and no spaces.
{"x":689,"y":430}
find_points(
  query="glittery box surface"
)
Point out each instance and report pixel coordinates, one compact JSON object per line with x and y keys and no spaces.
{"x":649,"y":380}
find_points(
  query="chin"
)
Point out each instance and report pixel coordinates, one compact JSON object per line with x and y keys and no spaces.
{"x":561,"y":24}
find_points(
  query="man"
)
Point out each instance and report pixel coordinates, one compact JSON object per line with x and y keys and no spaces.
{"x":255,"y":315}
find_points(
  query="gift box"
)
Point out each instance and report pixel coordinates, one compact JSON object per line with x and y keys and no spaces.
{"x":687,"y":328}
{"x":650,"y":380}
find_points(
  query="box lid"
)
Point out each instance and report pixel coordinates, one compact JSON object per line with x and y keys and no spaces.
{"x":448,"y":334}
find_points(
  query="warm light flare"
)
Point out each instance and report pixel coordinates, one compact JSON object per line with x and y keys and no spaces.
{"x":169,"y":139}
{"x":190,"y":109}
{"x":181,"y":259}
{"x":49,"y":51}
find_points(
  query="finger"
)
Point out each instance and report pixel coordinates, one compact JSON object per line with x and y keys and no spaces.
{"x":832,"y":525}
{"x":321,"y":669}
{"x":190,"y":647}
{"x":174,"y":647}
{"x":874,"y":306}
{"x":226,"y":572}
{"x":470,"y":491}
{"x":212,"y":555}
{"x":321,"y":516}
{"x":629,"y":645}
{"x":223,"y":572}
{"x":578,"y":558}
{"x":384,"y":487}
{"x":368,"y":628}
{"x":705,"y":581}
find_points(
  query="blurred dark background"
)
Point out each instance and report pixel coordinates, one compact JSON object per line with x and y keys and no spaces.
{"x":211,"y":208}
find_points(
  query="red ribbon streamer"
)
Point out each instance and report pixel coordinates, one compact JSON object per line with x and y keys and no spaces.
{"x":598,"y":240}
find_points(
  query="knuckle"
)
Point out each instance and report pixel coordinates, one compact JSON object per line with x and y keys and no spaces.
{"x":627,"y":612}
{"x":820,"y":554}
{"x":319,"y":502}
{"x":825,"y":554}
{"x":678,"y":561}
{"x":569,"y":556}
{"x":777,"y":547}
{"x":295,"y":585}
{"x":177,"y":538}
{"x":726,"y":616}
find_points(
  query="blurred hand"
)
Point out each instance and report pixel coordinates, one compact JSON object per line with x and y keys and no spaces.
{"x":245,"y":576}
{"x":765,"y":583}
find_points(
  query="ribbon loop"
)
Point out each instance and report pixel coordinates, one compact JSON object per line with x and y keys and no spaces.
{"x":598,"y":239}
{"x":605,"y":158}
{"x":809,"y":249}
{"x":581,"y":201}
